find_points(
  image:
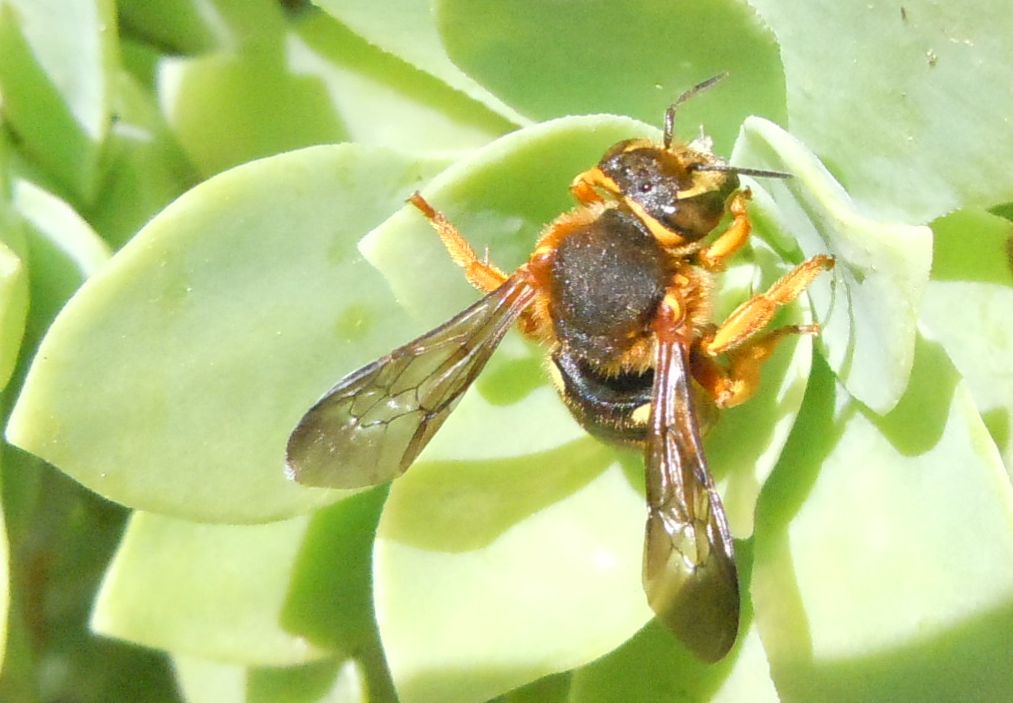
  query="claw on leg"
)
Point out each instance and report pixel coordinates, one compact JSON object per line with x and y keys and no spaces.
{"x":481,"y":274}
{"x":739,"y":381}
{"x":753,"y":315}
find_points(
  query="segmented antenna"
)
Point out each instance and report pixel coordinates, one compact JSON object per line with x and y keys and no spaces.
{"x":740,"y":170}
{"x":670,"y":112}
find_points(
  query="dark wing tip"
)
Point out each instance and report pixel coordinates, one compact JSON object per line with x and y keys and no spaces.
{"x":700,"y":605}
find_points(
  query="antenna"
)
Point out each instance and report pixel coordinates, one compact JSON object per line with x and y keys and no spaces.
{"x":740,"y":170}
{"x":670,"y":112}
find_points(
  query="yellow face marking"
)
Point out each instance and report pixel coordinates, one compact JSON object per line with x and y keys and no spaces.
{"x":665,"y":236}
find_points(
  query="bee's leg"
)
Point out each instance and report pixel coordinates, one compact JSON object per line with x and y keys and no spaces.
{"x":715,"y":256}
{"x":582,"y":187}
{"x":481,"y":274}
{"x":753,"y":315}
{"x":737,"y":383}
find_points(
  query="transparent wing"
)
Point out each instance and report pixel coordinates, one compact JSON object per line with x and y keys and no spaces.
{"x":372,"y":425}
{"x":689,"y":559}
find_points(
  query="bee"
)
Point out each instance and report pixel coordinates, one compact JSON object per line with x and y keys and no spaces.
{"x":619,"y":290}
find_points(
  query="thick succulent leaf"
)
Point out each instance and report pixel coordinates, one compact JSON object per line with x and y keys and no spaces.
{"x":227,"y":108}
{"x":5,"y":586}
{"x":907,"y":101}
{"x":654,"y":666}
{"x":631,"y":58}
{"x":884,"y":548}
{"x":206,"y":681}
{"x":232,"y":612}
{"x":13,"y":310}
{"x":63,"y":252}
{"x":56,"y":70}
{"x":380,"y":99}
{"x":213,"y":331}
{"x":868,"y":307}
{"x":484,"y":580}
{"x":407,"y":29}
{"x":968,"y":306}
{"x":184,"y":26}
{"x":290,"y":611}
{"x":143,"y":167}
{"x":322,"y":682}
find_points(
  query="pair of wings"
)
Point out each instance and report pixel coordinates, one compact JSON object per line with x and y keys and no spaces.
{"x":371,"y":426}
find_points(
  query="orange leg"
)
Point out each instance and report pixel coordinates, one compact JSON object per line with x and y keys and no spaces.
{"x":715,"y":256}
{"x":582,"y":188}
{"x":737,"y":383}
{"x":754,"y":314}
{"x":481,"y":274}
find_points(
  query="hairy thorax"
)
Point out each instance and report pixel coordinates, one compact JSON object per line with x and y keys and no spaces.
{"x":607,"y":279}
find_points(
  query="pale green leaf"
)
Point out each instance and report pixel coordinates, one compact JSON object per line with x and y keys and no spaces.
{"x":868,"y":307}
{"x":143,"y":169}
{"x":231,"y":612}
{"x":968,"y":307}
{"x":407,"y":29}
{"x":907,"y":101}
{"x":13,"y":310}
{"x":653,"y":666}
{"x":381,"y":100}
{"x":632,"y":58}
{"x":485,"y":580}
{"x":212,"y":331}
{"x":884,"y":548}
{"x":227,"y":108}
{"x":57,"y":64}
{"x":207,"y":681}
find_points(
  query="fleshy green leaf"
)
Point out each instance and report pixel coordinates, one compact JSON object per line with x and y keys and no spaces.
{"x":228,"y":108}
{"x":212,"y":331}
{"x":323,"y":682}
{"x":56,"y":67}
{"x":63,"y":252}
{"x":143,"y":169}
{"x":906,"y":101}
{"x":186,"y":26}
{"x":278,"y":594}
{"x":13,"y":310}
{"x":204,"y":681}
{"x":484,"y":581}
{"x":653,"y":666}
{"x":5,"y":586}
{"x":869,"y":312}
{"x":232,"y":612}
{"x":884,"y":548}
{"x":968,"y":306}
{"x":631,"y":58}
{"x":381,"y":100}
{"x":407,"y":29}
